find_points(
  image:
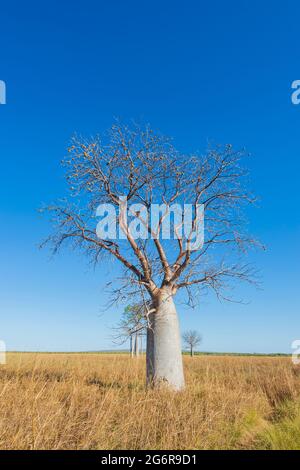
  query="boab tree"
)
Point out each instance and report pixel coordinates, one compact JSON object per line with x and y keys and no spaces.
{"x":133,"y":326}
{"x":143,"y":167}
{"x":192,"y":339}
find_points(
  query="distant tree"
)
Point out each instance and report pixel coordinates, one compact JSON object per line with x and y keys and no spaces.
{"x":133,"y":326}
{"x":192,"y":339}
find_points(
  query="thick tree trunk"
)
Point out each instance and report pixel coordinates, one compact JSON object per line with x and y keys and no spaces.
{"x":164,"y":357}
{"x":192,"y":352}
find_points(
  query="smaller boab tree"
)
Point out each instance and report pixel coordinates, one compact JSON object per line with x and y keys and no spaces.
{"x":192,"y":339}
{"x":143,"y":167}
{"x":132,"y":327}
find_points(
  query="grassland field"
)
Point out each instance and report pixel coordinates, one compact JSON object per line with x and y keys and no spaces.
{"x":99,"y":401}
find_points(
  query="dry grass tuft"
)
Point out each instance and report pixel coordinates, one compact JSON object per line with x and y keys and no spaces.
{"x":98,"y":401}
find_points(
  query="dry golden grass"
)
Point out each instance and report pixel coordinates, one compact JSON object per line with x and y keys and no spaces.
{"x":98,"y":401}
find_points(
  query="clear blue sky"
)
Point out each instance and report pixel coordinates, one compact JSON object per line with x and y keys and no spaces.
{"x":195,"y":70}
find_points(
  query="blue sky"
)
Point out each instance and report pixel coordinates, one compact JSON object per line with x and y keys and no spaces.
{"x":195,"y":70}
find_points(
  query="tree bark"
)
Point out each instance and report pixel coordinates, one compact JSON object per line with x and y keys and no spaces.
{"x":192,"y":352}
{"x":131,"y":346}
{"x":164,"y":356}
{"x":136,"y":345}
